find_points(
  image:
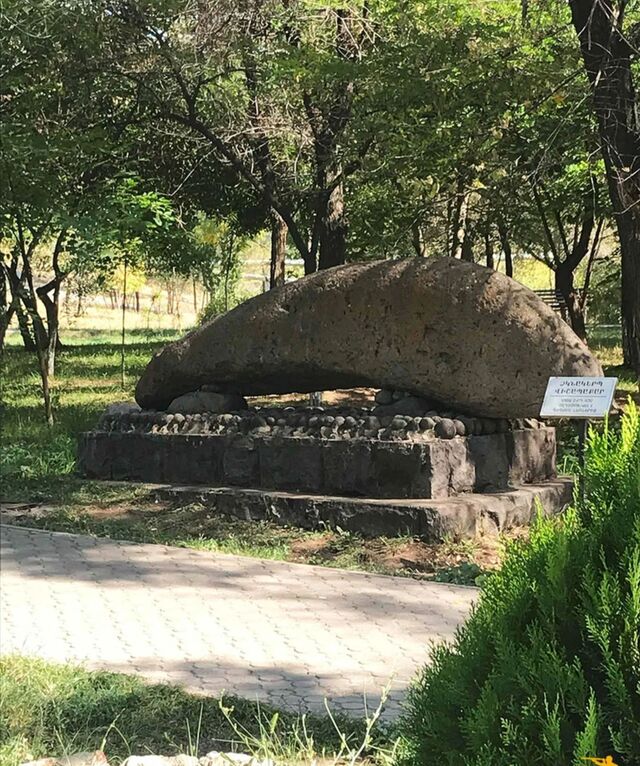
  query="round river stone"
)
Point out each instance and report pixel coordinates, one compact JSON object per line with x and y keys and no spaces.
{"x":445,"y":429}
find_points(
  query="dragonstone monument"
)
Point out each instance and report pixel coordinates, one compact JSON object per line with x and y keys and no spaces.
{"x":451,"y":444}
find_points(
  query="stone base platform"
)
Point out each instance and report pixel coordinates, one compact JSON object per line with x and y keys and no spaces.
{"x":360,"y":467}
{"x":464,"y":516}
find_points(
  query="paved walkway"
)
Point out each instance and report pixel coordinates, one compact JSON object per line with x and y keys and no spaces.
{"x":287,"y":634}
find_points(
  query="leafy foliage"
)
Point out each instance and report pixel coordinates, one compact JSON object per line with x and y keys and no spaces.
{"x":547,"y":669}
{"x":220,"y":272}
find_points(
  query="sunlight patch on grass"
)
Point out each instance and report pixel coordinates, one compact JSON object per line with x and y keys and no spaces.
{"x":57,"y":709}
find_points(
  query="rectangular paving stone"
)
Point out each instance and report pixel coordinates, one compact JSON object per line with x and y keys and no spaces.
{"x":260,"y":628}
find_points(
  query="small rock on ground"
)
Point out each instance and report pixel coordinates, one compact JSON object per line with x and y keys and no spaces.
{"x":161,"y":760}
{"x":233,"y":759}
{"x":206,"y":401}
{"x":95,"y":758}
{"x":98,"y":758}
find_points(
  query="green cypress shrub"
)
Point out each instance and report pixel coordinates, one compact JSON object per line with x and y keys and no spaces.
{"x":547,"y":668}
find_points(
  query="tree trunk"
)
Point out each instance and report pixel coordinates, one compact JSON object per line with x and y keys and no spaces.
{"x":79,"y":306}
{"x":575,"y":307}
{"x":606,"y":54}
{"x":25,"y":331}
{"x":332,"y":236}
{"x":52,"y":304}
{"x":52,"y":308}
{"x":629,"y":231}
{"x":327,"y":130}
{"x":39,"y":330}
{"x":53,"y":326}
{"x":417,"y":239}
{"x":23,"y":286}
{"x":41,"y":345}
{"x":7,"y":306}
{"x":467,"y":248}
{"x":46,"y":390}
{"x":488,"y":250}
{"x":278,"y":250}
{"x":5,"y":321}
{"x":460,"y":219}
{"x":506,"y":248}
{"x":310,"y":261}
{"x":16,"y":287}
{"x":4,"y":291}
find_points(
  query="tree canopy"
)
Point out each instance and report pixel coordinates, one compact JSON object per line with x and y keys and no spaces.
{"x":351,"y":130}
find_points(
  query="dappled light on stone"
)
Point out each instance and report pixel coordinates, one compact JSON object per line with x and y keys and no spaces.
{"x":453,"y":332}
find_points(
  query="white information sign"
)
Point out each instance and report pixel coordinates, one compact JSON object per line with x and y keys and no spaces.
{"x":578,"y":397}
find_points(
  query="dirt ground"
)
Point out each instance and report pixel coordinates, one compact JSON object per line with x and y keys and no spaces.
{"x":144,"y":519}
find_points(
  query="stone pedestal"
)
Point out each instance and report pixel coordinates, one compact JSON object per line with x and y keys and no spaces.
{"x":375,"y":476}
{"x":435,"y":469}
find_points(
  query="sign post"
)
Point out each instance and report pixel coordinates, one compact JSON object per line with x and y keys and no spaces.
{"x":581,"y":400}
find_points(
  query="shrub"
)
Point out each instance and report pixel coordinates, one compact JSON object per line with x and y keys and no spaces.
{"x":547,"y":668}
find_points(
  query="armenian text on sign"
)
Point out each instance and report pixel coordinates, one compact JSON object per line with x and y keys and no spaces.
{"x":584,"y":397}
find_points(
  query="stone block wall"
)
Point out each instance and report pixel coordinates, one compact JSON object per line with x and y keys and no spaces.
{"x":359,"y":467}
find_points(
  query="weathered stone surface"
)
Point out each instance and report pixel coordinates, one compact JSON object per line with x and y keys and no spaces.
{"x":94,"y":758}
{"x":408,"y":405}
{"x":443,"y":329}
{"x":120,"y":408}
{"x":465,"y":516}
{"x":338,"y":423}
{"x":435,"y":468}
{"x":233,"y":759}
{"x":240,"y":464}
{"x":290,"y":463}
{"x":445,"y":429}
{"x":532,"y":454}
{"x":206,"y":401}
{"x":384,"y":397}
{"x":162,"y":760}
{"x":213,"y":758}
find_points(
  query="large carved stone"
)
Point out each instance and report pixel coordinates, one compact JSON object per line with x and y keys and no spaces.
{"x":443,"y":329}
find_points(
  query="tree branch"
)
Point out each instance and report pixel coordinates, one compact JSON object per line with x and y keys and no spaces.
{"x":545,"y":224}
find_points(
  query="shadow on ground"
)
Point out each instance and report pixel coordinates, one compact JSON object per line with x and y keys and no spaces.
{"x":287,"y":634}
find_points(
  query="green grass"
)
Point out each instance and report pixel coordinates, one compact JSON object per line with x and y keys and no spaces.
{"x":605,"y":343}
{"x":37,"y":461}
{"x":187,"y":526}
{"x":74,"y":336}
{"x":50,"y":709}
